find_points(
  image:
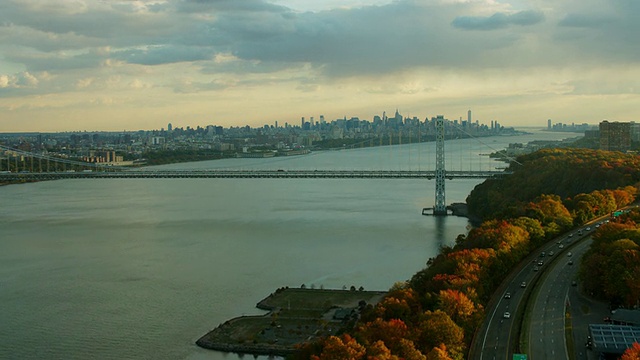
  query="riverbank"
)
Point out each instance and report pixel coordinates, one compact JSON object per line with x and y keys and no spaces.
{"x":461,"y":209}
{"x":295,"y":316}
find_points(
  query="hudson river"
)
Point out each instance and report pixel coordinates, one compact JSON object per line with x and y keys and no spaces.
{"x":141,"y":268}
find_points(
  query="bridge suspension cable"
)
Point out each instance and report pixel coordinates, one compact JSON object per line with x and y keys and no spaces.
{"x":487,"y":145}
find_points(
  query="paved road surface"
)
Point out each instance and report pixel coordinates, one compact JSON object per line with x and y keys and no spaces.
{"x":547,"y":338}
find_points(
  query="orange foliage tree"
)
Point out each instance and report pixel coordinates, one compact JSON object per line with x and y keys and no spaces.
{"x":632,"y":353}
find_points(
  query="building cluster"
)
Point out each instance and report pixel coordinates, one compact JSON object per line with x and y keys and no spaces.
{"x":608,"y":135}
{"x":573,"y":127}
{"x":103,"y":157}
{"x":124,"y":147}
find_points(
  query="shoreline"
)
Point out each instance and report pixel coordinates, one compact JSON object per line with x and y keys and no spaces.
{"x":296,"y":316}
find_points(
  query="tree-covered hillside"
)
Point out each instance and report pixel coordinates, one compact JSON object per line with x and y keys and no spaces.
{"x":562,"y":172}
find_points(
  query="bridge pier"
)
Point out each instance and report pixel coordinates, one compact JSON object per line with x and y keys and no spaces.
{"x":433,"y":212}
{"x":440,"y":208}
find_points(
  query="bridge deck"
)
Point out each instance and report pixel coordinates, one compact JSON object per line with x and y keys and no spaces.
{"x":277,"y":174}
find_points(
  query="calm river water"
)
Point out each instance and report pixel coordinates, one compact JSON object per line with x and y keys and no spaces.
{"x":140,"y":269}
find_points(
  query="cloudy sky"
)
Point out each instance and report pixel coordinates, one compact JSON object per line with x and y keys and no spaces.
{"x":130,"y":65}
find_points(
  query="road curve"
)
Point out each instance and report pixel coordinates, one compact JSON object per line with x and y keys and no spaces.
{"x":497,"y":338}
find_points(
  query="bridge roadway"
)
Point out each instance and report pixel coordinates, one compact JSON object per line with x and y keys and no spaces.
{"x":222,"y":173}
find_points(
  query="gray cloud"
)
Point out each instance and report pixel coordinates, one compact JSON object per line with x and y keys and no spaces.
{"x":268,"y":38}
{"x":165,"y":54}
{"x":602,"y":34}
{"x":585,"y":21}
{"x":199,"y":6}
{"x":358,"y":41}
{"x":498,"y":20}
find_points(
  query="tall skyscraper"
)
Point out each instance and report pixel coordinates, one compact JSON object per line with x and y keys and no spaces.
{"x":302,"y":122}
{"x":169,"y":127}
{"x":469,"y":116}
{"x":549,"y":124}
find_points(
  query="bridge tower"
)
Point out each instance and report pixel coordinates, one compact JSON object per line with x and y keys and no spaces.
{"x":440,"y":207}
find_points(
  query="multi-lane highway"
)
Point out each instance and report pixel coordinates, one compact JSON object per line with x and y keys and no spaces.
{"x":501,"y":329}
{"x":552,"y":277}
{"x":549,"y":302}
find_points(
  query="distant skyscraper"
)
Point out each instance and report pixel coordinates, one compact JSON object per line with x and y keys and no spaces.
{"x":302,"y":122}
{"x":169,"y":127}
{"x":322,"y":121}
{"x":549,"y":124}
{"x":469,"y":116}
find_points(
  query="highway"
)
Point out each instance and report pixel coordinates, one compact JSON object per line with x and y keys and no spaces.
{"x":498,"y":335}
{"x":549,"y":301}
{"x":545,"y":288}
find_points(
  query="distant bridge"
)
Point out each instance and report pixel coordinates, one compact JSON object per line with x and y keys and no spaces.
{"x":24,"y":166}
{"x":246,"y":174}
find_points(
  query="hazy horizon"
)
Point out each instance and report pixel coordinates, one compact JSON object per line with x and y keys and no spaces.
{"x":68,"y":65}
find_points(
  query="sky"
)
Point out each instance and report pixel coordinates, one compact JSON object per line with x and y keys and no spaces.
{"x":114,"y":65}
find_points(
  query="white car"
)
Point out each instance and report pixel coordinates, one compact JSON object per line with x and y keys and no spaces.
{"x":506,"y":315}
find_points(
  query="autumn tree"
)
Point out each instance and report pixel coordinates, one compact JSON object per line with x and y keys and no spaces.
{"x":341,"y":348}
{"x":437,"y":328}
{"x":390,"y":332}
{"x":462,"y":310}
{"x":632,"y":353}
{"x":438,"y":353}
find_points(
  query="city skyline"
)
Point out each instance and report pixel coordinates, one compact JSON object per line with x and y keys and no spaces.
{"x":130,"y":65}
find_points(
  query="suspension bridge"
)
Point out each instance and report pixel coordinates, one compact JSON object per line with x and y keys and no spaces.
{"x":38,"y":167}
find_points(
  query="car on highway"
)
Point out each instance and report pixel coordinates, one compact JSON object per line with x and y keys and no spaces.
{"x":535,"y":268}
{"x":574,"y":283}
{"x":561,"y":246}
{"x":569,"y":254}
{"x":523,"y":284}
{"x":507,"y":295}
{"x":506,"y":315}
{"x":570,"y":262}
{"x":550,"y":253}
{"x":540,"y":263}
